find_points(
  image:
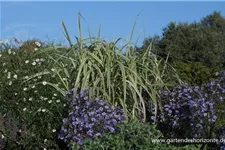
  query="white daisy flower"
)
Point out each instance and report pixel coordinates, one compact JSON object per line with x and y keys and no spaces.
{"x":54,"y":130}
{"x":34,"y":63}
{"x":9,"y":75}
{"x":44,"y":82}
{"x":27,"y":61}
{"x":9,"y":51}
{"x":15,"y":76}
{"x":35,"y":49}
{"x":38,"y":44}
{"x":24,"y":109}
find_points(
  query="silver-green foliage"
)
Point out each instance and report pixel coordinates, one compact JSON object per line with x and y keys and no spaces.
{"x":110,"y":74}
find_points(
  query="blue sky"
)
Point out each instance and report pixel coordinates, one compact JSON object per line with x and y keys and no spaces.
{"x":42,"y":20}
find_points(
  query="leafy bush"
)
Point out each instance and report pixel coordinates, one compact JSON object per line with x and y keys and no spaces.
{"x":24,"y":93}
{"x":130,"y":136}
{"x":88,"y":119}
{"x":195,"y":73}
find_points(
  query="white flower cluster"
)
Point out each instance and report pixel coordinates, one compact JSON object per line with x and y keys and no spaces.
{"x":10,"y":52}
{"x":35,"y":61}
{"x":38,"y":44}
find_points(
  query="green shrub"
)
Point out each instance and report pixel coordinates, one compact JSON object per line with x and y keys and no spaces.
{"x":195,"y":73}
{"x":130,"y":136}
{"x":23,"y":93}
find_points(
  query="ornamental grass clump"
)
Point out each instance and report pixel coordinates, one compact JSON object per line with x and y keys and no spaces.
{"x":88,"y":119}
{"x":117,"y":74}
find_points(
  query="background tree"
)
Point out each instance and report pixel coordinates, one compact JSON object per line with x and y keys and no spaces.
{"x":197,"y":45}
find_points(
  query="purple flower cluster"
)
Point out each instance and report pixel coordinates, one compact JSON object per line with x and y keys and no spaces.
{"x":88,"y":119}
{"x":192,"y":108}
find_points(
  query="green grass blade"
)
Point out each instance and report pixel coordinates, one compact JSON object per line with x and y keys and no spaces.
{"x":67,"y":34}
